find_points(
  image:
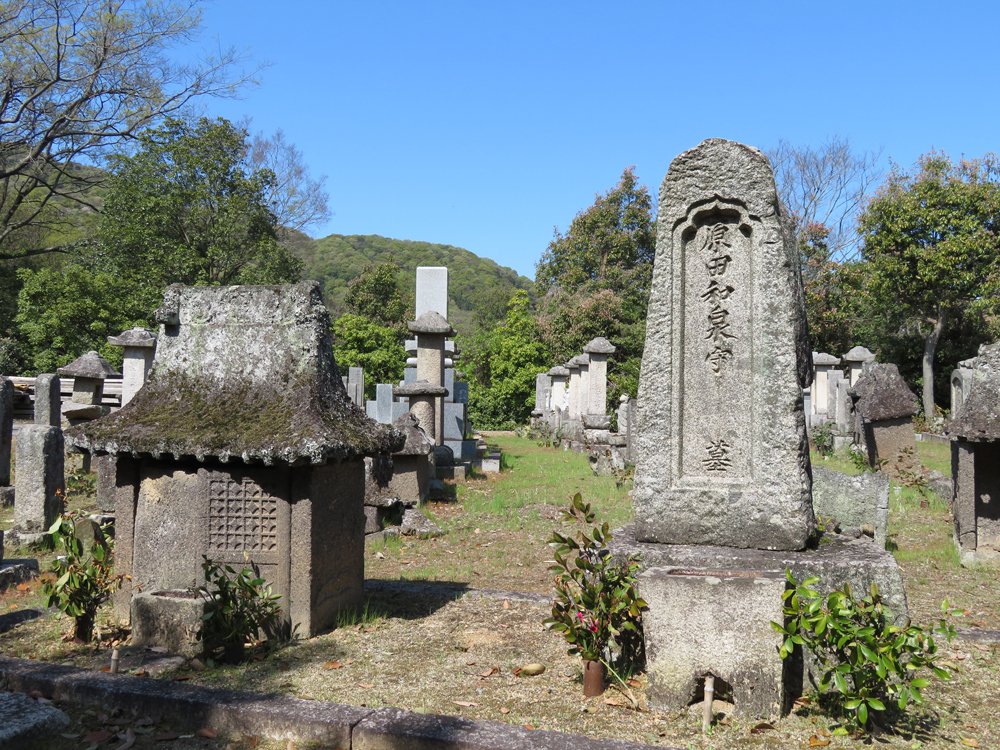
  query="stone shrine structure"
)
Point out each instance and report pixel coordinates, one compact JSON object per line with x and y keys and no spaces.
{"x":884,"y":407}
{"x":974,"y":431}
{"x":856,"y":360}
{"x":243,"y":441}
{"x":722,"y":490}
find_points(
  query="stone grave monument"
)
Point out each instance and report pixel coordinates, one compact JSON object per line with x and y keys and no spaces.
{"x":974,"y":431}
{"x":242,"y":442}
{"x":722,"y":491}
{"x":6,"y":430}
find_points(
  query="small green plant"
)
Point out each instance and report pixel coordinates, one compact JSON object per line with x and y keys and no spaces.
{"x":241,"y":606}
{"x":822,"y":438}
{"x":861,"y":462}
{"x":84,"y":579}
{"x":864,"y":660}
{"x":596,"y":607}
{"x":910,"y":473}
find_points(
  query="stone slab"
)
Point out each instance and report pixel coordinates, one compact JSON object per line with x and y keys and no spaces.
{"x":705,"y":620}
{"x":454,"y":421}
{"x":721,"y":452}
{"x":40,"y":478}
{"x":171,"y":619}
{"x":23,"y":721}
{"x":462,"y":449}
{"x":838,"y":560}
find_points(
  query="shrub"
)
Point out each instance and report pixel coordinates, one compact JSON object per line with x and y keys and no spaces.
{"x":83,"y":579}
{"x":865,"y":661}
{"x":596,"y":606}
{"x":241,"y":606}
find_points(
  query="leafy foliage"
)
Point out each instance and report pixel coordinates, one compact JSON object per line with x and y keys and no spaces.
{"x":241,"y":605}
{"x":375,"y":295}
{"x":865,"y":661}
{"x":84,"y":579}
{"x":504,"y":363}
{"x":184,"y":209}
{"x":931,"y":246}
{"x":604,"y":242}
{"x":596,"y":606}
{"x":360,"y":342}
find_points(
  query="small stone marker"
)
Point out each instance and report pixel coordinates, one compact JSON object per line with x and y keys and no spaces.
{"x":48,"y":406}
{"x":721,"y":449}
{"x":40,"y":480}
{"x":140,"y":346}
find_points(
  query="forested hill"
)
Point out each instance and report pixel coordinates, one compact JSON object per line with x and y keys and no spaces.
{"x":336,"y":259}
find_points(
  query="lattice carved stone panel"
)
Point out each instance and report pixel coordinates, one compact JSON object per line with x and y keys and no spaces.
{"x":242,"y":517}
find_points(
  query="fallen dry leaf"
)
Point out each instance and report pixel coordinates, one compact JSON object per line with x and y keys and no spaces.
{"x":613,"y":702}
{"x":380,"y":555}
{"x":816,"y":741}
{"x":488,"y":672}
{"x":332,"y":665}
{"x":99,"y":736}
{"x":364,"y":685}
{"x":198,"y":665}
{"x":158,"y":649}
{"x":207,"y":732}
{"x":969,"y":742}
{"x":506,"y":604}
{"x":465,"y":704}
{"x":22,"y":587}
{"x":104,"y":669}
{"x":762,"y":727}
{"x":504,"y":710}
{"x":529,"y":726}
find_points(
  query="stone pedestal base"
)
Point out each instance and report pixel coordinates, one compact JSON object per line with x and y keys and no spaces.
{"x":171,"y":619}
{"x":837,"y":560}
{"x":714,"y":622}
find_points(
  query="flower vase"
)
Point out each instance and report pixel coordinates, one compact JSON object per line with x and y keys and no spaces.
{"x":593,"y":678}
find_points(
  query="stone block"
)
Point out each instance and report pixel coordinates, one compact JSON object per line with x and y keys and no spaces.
{"x":460,"y":392}
{"x":40,"y":480}
{"x":721,"y":452}
{"x":383,"y":404}
{"x":24,"y":721}
{"x":170,"y":619}
{"x":432,"y":290}
{"x":704,"y":621}
{"x":399,"y":408}
{"x":854,"y":501}
{"x":415,"y":523}
{"x":105,"y":467}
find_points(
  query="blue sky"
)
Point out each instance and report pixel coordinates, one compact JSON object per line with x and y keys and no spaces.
{"x":483,"y":125}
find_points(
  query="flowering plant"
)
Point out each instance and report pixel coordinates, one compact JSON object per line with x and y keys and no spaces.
{"x":596,"y":607}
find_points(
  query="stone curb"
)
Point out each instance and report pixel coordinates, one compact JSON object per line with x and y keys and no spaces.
{"x":278,"y":717}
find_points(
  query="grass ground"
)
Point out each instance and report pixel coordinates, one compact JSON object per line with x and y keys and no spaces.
{"x":427,"y":651}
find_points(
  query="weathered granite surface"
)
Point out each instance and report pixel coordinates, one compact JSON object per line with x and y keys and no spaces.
{"x":24,"y":721}
{"x":854,"y":501}
{"x":881,"y":393}
{"x":978,"y":418}
{"x":721,"y":449}
{"x":242,"y":372}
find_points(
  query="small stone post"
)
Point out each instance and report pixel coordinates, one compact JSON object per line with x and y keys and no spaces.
{"x":48,"y":400}
{"x":573,"y":394}
{"x":559,"y":375}
{"x":598,"y":350}
{"x":140,"y":346}
{"x":822,"y":365}
{"x":40,"y":478}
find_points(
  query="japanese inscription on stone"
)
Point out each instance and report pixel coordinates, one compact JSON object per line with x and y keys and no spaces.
{"x":718,"y":332}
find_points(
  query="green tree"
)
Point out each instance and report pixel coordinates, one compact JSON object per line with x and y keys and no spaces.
{"x":184,"y":210}
{"x":503,"y":393}
{"x":82,"y":78}
{"x":360,"y":342}
{"x":375,"y":295}
{"x":64,"y":313}
{"x":931,"y":246}
{"x":606,"y":243}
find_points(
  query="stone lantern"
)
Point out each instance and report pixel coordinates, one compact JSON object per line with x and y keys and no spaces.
{"x":140,"y":345}
{"x":431,"y":329}
{"x":243,"y":444}
{"x":856,"y":359}
{"x":89,"y":373}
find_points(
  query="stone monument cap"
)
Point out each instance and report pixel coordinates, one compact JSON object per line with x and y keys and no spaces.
{"x":881,"y":393}
{"x":600,"y":345}
{"x":978,"y":418}
{"x":90,"y":365}
{"x":559,"y":372}
{"x":419,"y":388}
{"x":245,"y":373}
{"x":430,"y":322}
{"x":579,"y":360}
{"x":859,"y":354}
{"x":137,"y":336}
{"x":822,"y":358}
